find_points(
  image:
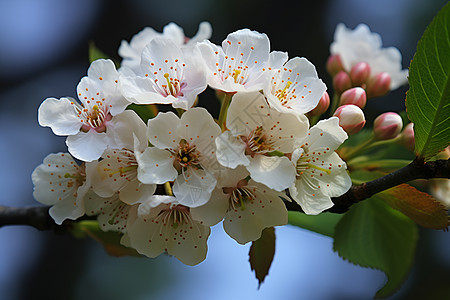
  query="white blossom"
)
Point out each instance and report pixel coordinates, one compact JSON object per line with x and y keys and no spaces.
{"x":184,"y":151}
{"x":168,"y":74}
{"x":295,"y":87}
{"x":362,"y":45}
{"x":320,"y":172}
{"x":117,"y":171}
{"x":131,"y":52}
{"x":242,"y":63}
{"x":60,"y":182}
{"x":167,"y":228}
{"x":248,"y":206}
{"x":258,"y":136}
{"x":94,"y":124}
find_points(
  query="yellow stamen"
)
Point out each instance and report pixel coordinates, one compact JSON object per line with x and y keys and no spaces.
{"x":236,"y":74}
{"x":123,"y":170}
{"x":166,"y":75}
{"x":288,"y":84}
{"x":318,"y":168}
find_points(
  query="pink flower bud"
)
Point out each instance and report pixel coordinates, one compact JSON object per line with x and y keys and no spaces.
{"x":379,"y":85}
{"x":334,"y":65}
{"x":355,"y":96}
{"x":322,"y":107}
{"x":341,"y":82}
{"x":407,"y":137}
{"x":387,"y":126}
{"x":351,"y":118}
{"x":360,"y":73}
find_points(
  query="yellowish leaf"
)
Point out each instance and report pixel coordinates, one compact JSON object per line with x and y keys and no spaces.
{"x":421,"y":207}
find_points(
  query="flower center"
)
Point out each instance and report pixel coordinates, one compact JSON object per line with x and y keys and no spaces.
{"x":187,"y":155}
{"x":94,"y":118}
{"x":168,"y":77}
{"x":306,"y":161}
{"x":257,"y":141}
{"x":127,"y":164}
{"x":239,"y":195}
{"x":174,"y":215}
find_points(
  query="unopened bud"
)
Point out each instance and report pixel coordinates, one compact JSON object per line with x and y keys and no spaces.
{"x":379,"y":85}
{"x":407,"y":137}
{"x":341,"y":82}
{"x":387,"y":126}
{"x":360,"y":73}
{"x":355,"y":96}
{"x":322,"y":107}
{"x":334,"y":65}
{"x":351,"y":118}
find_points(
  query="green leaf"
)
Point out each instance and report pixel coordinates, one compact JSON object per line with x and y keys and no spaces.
{"x":145,"y":111}
{"x":372,"y":234}
{"x":110,"y":240}
{"x":261,"y":254}
{"x":323,"y":223}
{"x":95,"y":53}
{"x":428,"y":99}
{"x":421,"y":207}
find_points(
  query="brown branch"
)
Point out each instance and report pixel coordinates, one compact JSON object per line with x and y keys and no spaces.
{"x":418,"y":169}
{"x":36,"y":216}
{"x":39,"y":218}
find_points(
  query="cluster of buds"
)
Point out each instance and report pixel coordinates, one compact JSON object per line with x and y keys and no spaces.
{"x":236,"y":169}
{"x":361,"y":69}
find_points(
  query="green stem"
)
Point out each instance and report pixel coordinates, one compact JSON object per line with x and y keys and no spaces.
{"x":223,"y":110}
{"x":334,"y":103}
{"x":368,"y":145}
{"x":358,"y":149}
{"x":389,"y":164}
{"x":313,"y":120}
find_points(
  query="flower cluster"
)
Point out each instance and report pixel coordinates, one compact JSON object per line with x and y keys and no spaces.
{"x":164,"y":183}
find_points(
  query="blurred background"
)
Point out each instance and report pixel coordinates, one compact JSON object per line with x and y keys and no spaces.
{"x":44,"y":53}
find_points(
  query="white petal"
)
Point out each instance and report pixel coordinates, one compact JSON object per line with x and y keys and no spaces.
{"x":338,"y":182}
{"x":162,"y":131}
{"x":231,"y":151}
{"x":213,"y":211}
{"x":304,"y":90}
{"x":137,"y":192}
{"x":123,"y":127}
{"x":151,"y":236}
{"x":87,"y":146}
{"x":326,"y":134}
{"x":174,"y":33}
{"x":265,"y":210}
{"x":204,"y":32}
{"x":155,"y":166}
{"x":198,"y":127}
{"x":60,"y":116}
{"x":53,"y":187}
{"x":277,"y":173}
{"x":193,"y":187}
{"x":309,"y":198}
{"x":277,"y":59}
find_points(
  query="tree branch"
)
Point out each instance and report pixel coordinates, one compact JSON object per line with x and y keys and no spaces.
{"x":39,"y":217}
{"x":418,"y":169}
{"x":36,"y":216}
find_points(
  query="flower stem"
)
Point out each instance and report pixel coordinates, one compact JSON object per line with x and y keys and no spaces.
{"x":223,"y":110}
{"x":334,"y":104}
{"x":369,"y":144}
{"x":360,"y":148}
